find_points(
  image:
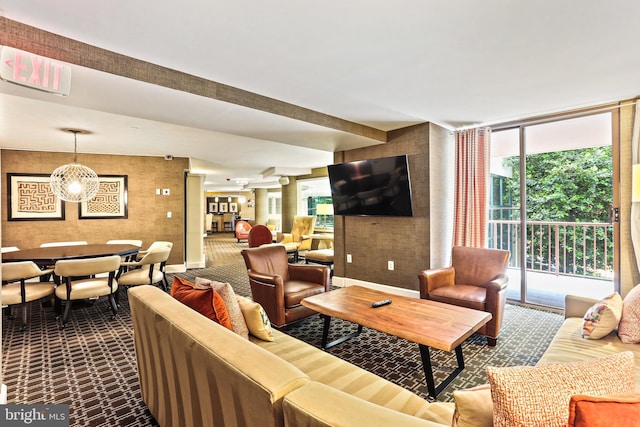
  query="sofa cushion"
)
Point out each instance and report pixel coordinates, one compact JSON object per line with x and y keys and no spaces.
{"x":602,"y":317}
{"x":539,"y":395}
{"x":569,"y":346}
{"x":612,"y":411}
{"x":238,"y":324}
{"x":257,"y":320}
{"x":474,"y":407}
{"x":297,"y":290}
{"x":329,"y":370}
{"x":629,"y":328}
{"x":317,"y":405}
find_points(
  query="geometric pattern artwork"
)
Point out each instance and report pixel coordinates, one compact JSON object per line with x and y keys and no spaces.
{"x":109,"y":202}
{"x":30,"y":198}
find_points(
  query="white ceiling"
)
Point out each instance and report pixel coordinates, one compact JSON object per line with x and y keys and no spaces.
{"x":385,"y":64}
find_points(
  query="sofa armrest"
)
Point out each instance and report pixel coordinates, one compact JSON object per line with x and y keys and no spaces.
{"x":575,"y":306}
{"x":318,"y":405}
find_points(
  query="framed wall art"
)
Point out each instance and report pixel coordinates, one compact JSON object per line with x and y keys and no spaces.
{"x":223,"y":207}
{"x":213,"y":207}
{"x":30,"y":198}
{"x":233,"y":207}
{"x":110,"y":202}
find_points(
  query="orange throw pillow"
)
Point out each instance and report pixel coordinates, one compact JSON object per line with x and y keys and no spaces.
{"x":221,"y":310}
{"x":201,"y":300}
{"x":620,"y":410}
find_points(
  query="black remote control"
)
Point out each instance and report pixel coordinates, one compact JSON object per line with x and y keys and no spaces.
{"x":381,"y":303}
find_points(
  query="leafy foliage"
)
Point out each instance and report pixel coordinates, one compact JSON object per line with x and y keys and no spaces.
{"x":565,"y":186}
{"x":573,"y":186}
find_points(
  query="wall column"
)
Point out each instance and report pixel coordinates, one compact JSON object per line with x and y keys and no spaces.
{"x":289,"y":203}
{"x":262,"y":205}
{"x":194,"y":219}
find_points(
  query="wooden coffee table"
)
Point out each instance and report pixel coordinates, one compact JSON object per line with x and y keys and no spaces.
{"x":427,"y":323}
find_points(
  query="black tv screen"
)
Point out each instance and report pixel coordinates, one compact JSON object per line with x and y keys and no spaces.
{"x":377,"y":187}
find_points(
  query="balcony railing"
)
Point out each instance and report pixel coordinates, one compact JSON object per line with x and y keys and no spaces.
{"x":562,"y":248}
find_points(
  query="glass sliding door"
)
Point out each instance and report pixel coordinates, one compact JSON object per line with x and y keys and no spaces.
{"x":556,"y":186}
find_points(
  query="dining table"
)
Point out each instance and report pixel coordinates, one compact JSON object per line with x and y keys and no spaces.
{"x":48,"y":256}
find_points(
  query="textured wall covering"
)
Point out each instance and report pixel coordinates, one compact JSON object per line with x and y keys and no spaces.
{"x":147,"y":219}
{"x":372,"y":241}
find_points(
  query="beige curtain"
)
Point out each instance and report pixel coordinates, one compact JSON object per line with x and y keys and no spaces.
{"x":472,"y":177}
{"x":635,"y":204}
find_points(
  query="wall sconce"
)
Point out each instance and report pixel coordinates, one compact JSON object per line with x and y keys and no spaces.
{"x":216,"y":199}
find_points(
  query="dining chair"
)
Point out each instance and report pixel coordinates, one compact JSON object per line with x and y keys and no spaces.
{"x":16,"y":290}
{"x":147,"y":271}
{"x":159,"y":244}
{"x":155,"y":246}
{"x":53,"y":244}
{"x":78,"y":281}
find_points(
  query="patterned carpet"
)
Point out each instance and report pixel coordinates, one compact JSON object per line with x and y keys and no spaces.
{"x":91,"y":364}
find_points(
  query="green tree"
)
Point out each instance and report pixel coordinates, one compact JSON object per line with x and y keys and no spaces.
{"x":566,"y":186}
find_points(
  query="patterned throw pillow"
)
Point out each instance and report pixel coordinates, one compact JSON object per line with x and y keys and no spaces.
{"x":629,"y":328}
{"x":474,"y":407}
{"x":238,"y":324}
{"x":256,"y":319}
{"x":539,"y":395}
{"x":602,"y":317}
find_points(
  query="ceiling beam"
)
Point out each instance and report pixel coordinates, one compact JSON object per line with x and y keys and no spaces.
{"x":44,"y":43}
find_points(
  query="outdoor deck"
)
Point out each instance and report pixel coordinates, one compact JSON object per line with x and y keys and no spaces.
{"x":550,"y":289}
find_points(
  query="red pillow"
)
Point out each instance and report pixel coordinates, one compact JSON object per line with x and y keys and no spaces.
{"x":619,"y":410}
{"x":201,"y":300}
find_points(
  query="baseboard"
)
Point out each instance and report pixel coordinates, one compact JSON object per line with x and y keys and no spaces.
{"x":346,"y":281}
{"x":177,"y":268}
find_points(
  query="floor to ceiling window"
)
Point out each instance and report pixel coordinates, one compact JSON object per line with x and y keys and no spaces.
{"x":551,"y":196}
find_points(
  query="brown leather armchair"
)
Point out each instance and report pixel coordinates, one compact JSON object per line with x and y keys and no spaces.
{"x":279,"y":286}
{"x":476,"y":279}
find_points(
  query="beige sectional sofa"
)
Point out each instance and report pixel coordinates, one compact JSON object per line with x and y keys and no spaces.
{"x":568,"y":344}
{"x":194,"y":372}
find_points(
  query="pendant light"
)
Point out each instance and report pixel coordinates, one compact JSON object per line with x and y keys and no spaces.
{"x":74,"y":182}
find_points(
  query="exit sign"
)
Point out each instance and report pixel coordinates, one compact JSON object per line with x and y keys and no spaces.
{"x":34,"y":71}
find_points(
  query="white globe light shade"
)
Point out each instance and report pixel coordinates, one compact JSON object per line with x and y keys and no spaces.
{"x":74,"y":183}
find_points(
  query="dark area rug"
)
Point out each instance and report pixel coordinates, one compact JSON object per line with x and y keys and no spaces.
{"x":91,"y":364}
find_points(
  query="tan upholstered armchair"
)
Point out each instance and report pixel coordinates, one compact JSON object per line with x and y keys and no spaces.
{"x":476,"y":279}
{"x":301,"y":225}
{"x":279,"y":286}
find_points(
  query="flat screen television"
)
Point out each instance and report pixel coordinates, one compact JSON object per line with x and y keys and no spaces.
{"x":376,"y":187}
